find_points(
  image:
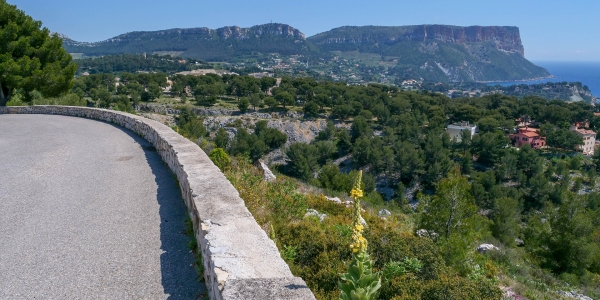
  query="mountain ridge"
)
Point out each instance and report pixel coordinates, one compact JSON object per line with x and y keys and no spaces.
{"x":434,"y":52}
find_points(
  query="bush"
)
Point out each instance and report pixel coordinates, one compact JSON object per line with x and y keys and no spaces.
{"x":220,"y":158}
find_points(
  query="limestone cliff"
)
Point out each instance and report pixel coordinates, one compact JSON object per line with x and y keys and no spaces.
{"x":505,"y":38}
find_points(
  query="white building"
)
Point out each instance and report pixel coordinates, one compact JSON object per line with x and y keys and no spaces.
{"x":589,"y":140}
{"x":455,"y":130}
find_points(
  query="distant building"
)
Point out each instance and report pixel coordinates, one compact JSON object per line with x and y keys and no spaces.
{"x":200,"y":72}
{"x":589,"y":139}
{"x":261,"y":75}
{"x":529,"y":136}
{"x":455,"y":130}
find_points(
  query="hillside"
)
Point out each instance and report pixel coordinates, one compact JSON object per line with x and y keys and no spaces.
{"x":432,"y":52}
{"x":201,"y":43}
{"x":439,"y":52}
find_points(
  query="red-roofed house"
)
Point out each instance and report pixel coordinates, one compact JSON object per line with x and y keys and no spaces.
{"x":528,"y":136}
{"x":589,"y":139}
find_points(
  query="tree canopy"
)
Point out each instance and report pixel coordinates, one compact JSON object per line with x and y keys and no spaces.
{"x":30,"y":57}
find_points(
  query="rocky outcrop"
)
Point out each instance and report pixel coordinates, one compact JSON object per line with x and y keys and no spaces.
{"x":506,"y":38}
{"x":314,"y":213}
{"x":574,"y":295}
{"x":484,"y":248}
{"x":267,"y":174}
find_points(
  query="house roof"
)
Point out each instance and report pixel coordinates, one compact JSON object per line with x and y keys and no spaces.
{"x":530,"y":134}
{"x":461,"y":127}
{"x":585,"y":131}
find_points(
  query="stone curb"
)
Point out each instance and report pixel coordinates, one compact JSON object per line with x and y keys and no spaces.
{"x":240,"y":261}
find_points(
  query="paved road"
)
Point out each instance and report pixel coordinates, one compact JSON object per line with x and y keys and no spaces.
{"x":88,"y":210}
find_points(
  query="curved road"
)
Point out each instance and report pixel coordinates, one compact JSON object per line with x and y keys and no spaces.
{"x":88,"y":210}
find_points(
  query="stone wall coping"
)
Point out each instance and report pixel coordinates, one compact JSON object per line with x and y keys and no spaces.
{"x":240,"y":261}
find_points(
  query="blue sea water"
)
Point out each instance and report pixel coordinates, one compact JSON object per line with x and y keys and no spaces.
{"x":588,"y":73}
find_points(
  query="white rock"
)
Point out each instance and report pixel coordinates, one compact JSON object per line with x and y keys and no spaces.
{"x":267,"y":174}
{"x":334,"y":199}
{"x":574,"y":295}
{"x":384,"y":213}
{"x":483,"y":248}
{"x":363,"y":222}
{"x":313,"y":212}
{"x":424,"y":233}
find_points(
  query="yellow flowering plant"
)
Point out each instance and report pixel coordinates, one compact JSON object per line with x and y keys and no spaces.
{"x":359,"y":282}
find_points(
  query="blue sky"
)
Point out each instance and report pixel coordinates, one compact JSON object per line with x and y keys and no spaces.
{"x":551,"y":30}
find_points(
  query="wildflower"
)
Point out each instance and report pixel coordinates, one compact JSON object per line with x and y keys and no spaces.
{"x":360,"y":282}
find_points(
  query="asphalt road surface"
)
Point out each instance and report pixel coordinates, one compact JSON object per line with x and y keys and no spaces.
{"x":88,"y":210}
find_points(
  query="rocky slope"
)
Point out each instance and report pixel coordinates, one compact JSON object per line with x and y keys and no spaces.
{"x":439,"y":52}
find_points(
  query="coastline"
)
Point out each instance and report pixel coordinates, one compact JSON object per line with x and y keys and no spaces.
{"x":521,"y":80}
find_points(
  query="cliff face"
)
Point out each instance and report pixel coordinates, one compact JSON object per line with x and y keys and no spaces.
{"x":505,"y":38}
{"x":201,"y":33}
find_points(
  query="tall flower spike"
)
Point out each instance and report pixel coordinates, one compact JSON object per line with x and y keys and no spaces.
{"x":360,"y":282}
{"x":359,"y":243}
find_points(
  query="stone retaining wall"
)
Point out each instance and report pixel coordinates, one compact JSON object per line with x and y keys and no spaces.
{"x":240,"y":261}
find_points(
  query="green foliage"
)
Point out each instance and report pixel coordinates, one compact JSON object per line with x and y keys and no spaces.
{"x":317,"y":251}
{"x":360,"y":282}
{"x":272,"y":137}
{"x":270,"y":102}
{"x":506,"y":220}
{"x":189,"y":124}
{"x":311,"y":109}
{"x":136,"y":62}
{"x":221,"y":138}
{"x":70,"y":100}
{"x":257,"y":144}
{"x":561,"y":138}
{"x":31,"y":58}
{"x":220,"y":158}
{"x":289,"y":253}
{"x":302,"y":160}
{"x":243,"y":105}
{"x":399,"y":268}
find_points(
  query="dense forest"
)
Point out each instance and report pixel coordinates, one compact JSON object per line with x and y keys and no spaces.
{"x":138,"y":63}
{"x":540,"y":207}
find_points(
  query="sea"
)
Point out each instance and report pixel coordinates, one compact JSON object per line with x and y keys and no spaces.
{"x":588,"y":73}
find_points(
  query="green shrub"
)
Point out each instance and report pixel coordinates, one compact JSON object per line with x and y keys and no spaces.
{"x":220,"y":158}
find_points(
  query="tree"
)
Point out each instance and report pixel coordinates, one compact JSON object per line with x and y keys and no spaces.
{"x":341,"y":111}
{"x":489,"y":147}
{"x":270,"y":102}
{"x":255,"y":101}
{"x":506,"y":220}
{"x":284,"y":98}
{"x":30,"y":58}
{"x":154,"y":90}
{"x":302,"y":160}
{"x":243,"y":105}
{"x":311,"y":109}
{"x":452,"y":214}
{"x":360,"y":128}
{"x":266,"y":83}
{"x":222,"y":138}
{"x":452,"y":207}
